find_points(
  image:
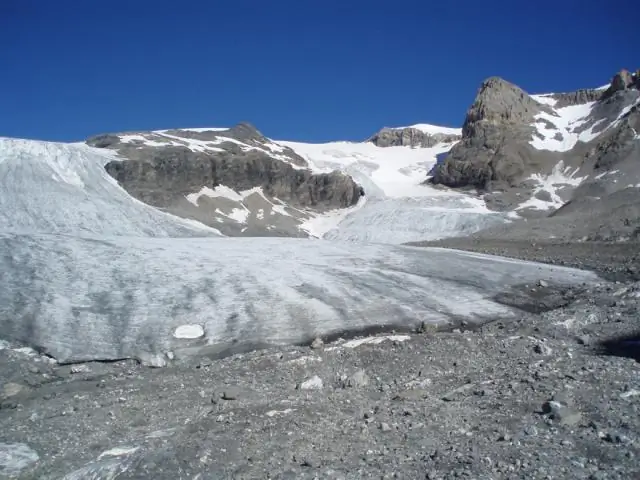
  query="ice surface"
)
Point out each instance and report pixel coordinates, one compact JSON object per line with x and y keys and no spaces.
{"x":64,"y":189}
{"x":399,"y":207}
{"x":189,"y":331}
{"x":89,"y":273}
{"x":125,"y":296}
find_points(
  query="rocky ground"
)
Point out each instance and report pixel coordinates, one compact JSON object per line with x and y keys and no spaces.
{"x":549,"y":396}
{"x":615,"y":261}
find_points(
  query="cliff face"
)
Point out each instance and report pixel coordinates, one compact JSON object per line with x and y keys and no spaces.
{"x":411,"y":137}
{"x":554,"y":154}
{"x":200,"y":173}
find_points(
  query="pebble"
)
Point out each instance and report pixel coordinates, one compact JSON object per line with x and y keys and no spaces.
{"x":385,"y":427}
{"x":230,"y":393}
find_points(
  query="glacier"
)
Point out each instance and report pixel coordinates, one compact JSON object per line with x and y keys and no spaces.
{"x":399,"y":207}
{"x":89,"y":273}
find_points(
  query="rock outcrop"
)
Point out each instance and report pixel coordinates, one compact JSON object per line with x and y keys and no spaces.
{"x":410,"y":137}
{"x":179,"y":171}
{"x":494,"y":148}
{"x":533,"y":154}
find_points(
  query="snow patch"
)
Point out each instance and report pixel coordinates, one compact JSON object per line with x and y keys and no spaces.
{"x":15,"y":457}
{"x":189,"y":331}
{"x":118,"y":452}
{"x":318,"y":225}
{"x":277,"y":413}
{"x":545,"y":99}
{"x":565,"y":122}
{"x":370,"y":341}
{"x":561,"y":176}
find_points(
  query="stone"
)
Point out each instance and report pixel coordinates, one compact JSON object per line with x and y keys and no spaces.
{"x":313,"y":383}
{"x":317,"y":344}
{"x":231,"y":393}
{"x":81,"y":368}
{"x":11,"y":389}
{"x":358,"y":379}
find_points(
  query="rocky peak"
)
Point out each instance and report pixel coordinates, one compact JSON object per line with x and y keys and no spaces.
{"x":410,"y":137}
{"x":623,"y":80}
{"x":499,"y":101}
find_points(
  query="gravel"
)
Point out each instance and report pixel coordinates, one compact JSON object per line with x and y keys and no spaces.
{"x":523,"y":399}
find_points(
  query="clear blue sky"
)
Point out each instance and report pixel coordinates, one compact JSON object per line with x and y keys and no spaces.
{"x":298,"y":69}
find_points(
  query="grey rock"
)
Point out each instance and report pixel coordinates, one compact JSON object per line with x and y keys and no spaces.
{"x":11,"y":389}
{"x":562,"y":414}
{"x":163,"y":175}
{"x":358,"y":379}
{"x":494,"y":148}
{"x":409,"y":137}
{"x":317,"y":344}
{"x":231,"y":393}
{"x":385,"y":427}
{"x":313,"y":383}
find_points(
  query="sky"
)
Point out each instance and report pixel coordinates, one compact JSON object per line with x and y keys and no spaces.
{"x":302,"y":70}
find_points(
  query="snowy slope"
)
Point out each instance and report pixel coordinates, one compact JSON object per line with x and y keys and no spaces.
{"x":399,"y":207}
{"x":87,"y":272}
{"x":64,"y":189}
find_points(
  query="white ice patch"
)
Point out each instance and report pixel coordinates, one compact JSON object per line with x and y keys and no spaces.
{"x":370,"y":341}
{"x":189,"y":331}
{"x":545,"y":99}
{"x":15,"y":457}
{"x":277,"y":413}
{"x":565,"y":122}
{"x":318,"y":225}
{"x":561,"y":176}
{"x":118,"y":452}
{"x":314,"y":383}
{"x":239,"y":215}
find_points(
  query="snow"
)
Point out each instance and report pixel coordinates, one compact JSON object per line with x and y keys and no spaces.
{"x":317,"y":226}
{"x":189,"y":331}
{"x":397,"y":207}
{"x":118,"y":452}
{"x":561,"y":176}
{"x":128,"y":295}
{"x":566,"y":121}
{"x":545,"y":99}
{"x":370,"y":341}
{"x":432,"y":129}
{"x":64,"y":188}
{"x":135,"y":281}
{"x":221,"y":191}
{"x":15,"y":457}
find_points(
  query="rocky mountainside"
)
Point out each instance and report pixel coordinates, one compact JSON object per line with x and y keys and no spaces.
{"x":568,"y":155}
{"x":235,"y":179}
{"x":421,"y":135}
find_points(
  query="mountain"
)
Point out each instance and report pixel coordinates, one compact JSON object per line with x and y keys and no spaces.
{"x":571,"y":157}
{"x":234,"y":179}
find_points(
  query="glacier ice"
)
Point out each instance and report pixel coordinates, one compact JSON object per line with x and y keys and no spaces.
{"x":89,"y":273}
